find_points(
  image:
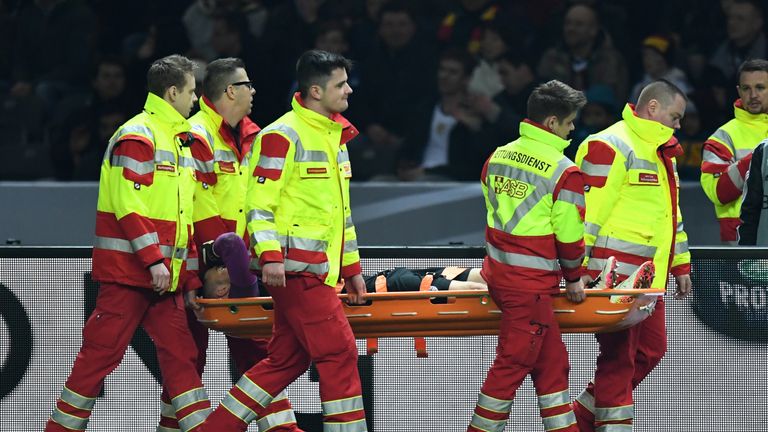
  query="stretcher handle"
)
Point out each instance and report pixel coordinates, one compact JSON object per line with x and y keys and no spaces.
{"x":433,"y":294}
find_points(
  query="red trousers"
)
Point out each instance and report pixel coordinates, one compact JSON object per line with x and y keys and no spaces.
{"x":245,"y":353}
{"x":309,"y":325}
{"x":625,"y":359}
{"x":529,"y":343}
{"x":120,"y":309}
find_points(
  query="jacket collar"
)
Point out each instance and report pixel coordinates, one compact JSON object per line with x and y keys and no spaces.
{"x":540,"y":133}
{"x":158,"y":108}
{"x":246,"y":128}
{"x":348,"y":131}
{"x":743,"y":115}
{"x":650,"y":131}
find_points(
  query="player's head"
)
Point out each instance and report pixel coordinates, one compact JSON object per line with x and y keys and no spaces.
{"x":216,"y":283}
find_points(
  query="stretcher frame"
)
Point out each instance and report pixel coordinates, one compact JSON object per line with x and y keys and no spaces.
{"x":412,"y":314}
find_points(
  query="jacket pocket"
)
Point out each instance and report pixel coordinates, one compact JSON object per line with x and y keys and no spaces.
{"x":328,"y":336}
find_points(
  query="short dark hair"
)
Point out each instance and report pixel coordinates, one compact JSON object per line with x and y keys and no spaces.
{"x":753,"y":65}
{"x":316,"y":66}
{"x":554,"y":98}
{"x":661,"y":90}
{"x":168,"y":72}
{"x":460,"y":56}
{"x":218,"y":75}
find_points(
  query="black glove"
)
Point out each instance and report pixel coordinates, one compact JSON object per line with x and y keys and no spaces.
{"x":210,"y":259}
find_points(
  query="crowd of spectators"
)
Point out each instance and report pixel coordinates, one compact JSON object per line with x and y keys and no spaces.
{"x":438,"y":84}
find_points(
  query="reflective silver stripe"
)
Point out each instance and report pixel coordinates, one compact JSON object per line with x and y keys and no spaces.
{"x":595,"y":170}
{"x":591,"y":228}
{"x":553,"y":400}
{"x":193,"y":264}
{"x":145,"y":240}
{"x":273,"y":420}
{"x":491,"y":195}
{"x":203,"y":132}
{"x":224,"y":156}
{"x":301,"y":154}
{"x":681,"y":247}
{"x":587,"y":401}
{"x":735,"y":176}
{"x":646,"y":251}
{"x":680,"y":227}
{"x":111,"y":243}
{"x":279,"y":397}
{"x":173,"y":252}
{"x":307,"y":244}
{"x":262,"y":236}
{"x":237,"y":409}
{"x":615,"y":428}
{"x":132,"y":164}
{"x":188,"y":398}
{"x":166,"y":410}
{"x":571,"y":197}
{"x":299,"y":266}
{"x":165,"y":156}
{"x":254,"y":391}
{"x":350,"y":246}
{"x":624,"y":269}
{"x":492,"y":404}
{"x":521,"y":260}
{"x":186,"y":162}
{"x":342,"y":157}
{"x":541,"y":187}
{"x":128,"y":130}
{"x":76,"y":400}
{"x":631,"y":160}
{"x":724,"y":137}
{"x":559,"y":421}
{"x":194,"y":419}
{"x":741,"y":153}
{"x":352,"y":426}
{"x":274,"y":163}
{"x":204,"y":166}
{"x":570,"y":264}
{"x":166,"y":429}
{"x":341,"y":406}
{"x":626,"y":412}
{"x":261,"y":215}
{"x":486,"y":424}
{"x":348,"y":222}
{"x":711,"y":157}
{"x":68,"y":420}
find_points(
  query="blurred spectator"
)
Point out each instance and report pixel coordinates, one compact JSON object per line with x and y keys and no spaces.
{"x":446,"y":140}
{"x":75,"y":123}
{"x":7,"y":36}
{"x":88,"y":140}
{"x":290,"y":30}
{"x":200,"y":16}
{"x":462,"y":27}
{"x":396,"y":77}
{"x":658,"y":56}
{"x":53,"y":49}
{"x":363,"y":30}
{"x":506,"y":110}
{"x":691,"y":137}
{"x":331,"y":36}
{"x":586,"y":55}
{"x":746,"y":39}
{"x":601,"y":111}
{"x":495,"y":41}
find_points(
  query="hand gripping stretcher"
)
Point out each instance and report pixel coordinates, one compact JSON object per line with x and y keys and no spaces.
{"x":414,"y":314}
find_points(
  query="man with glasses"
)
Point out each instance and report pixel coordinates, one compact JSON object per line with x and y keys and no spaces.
{"x":223,"y":135}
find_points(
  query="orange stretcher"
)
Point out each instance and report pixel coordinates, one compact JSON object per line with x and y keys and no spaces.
{"x":413,"y":314}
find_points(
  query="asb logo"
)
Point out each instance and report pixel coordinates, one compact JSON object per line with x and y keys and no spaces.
{"x":513,"y":188}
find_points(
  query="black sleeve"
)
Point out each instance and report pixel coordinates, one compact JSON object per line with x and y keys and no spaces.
{"x":752,"y":201}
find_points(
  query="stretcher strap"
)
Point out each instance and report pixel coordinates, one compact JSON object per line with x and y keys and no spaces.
{"x":419,"y":343}
{"x":372,"y":344}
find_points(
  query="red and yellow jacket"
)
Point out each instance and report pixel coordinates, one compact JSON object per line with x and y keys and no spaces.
{"x":725,"y":164}
{"x":298,"y":209}
{"x":144,"y":211}
{"x":222,"y":172}
{"x":534,"y":198}
{"x":632,"y":198}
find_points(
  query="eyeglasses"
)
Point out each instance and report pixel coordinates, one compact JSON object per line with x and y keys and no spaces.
{"x":248,"y":84}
